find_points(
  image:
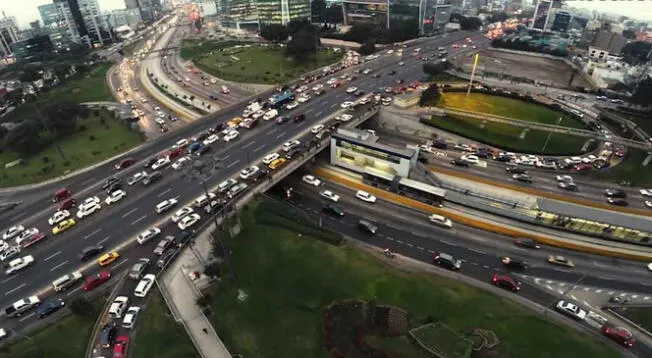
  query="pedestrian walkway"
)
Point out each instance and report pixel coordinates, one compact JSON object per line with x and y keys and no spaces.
{"x":181,"y":284}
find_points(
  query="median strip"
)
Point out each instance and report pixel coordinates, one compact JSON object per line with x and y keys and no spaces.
{"x":486,"y":225}
{"x":537,"y":192}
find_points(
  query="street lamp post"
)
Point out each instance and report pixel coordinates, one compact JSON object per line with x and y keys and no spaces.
{"x":545,"y":144}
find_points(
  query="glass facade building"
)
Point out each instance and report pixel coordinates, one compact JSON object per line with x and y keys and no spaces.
{"x":256,"y":13}
{"x":430,"y":14}
{"x":561,"y":21}
{"x":540,"y":17}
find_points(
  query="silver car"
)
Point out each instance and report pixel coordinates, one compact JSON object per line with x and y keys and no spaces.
{"x":138,"y":269}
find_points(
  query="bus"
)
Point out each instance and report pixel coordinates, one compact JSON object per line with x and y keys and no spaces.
{"x":280,"y":100}
{"x":420,"y":191}
{"x":380,"y":179}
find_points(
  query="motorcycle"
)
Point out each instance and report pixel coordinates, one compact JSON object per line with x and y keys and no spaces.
{"x":388,"y":253}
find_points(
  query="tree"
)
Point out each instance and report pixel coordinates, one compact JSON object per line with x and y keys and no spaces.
{"x":61,"y":70}
{"x":643,"y":93}
{"x":629,"y":34}
{"x":213,"y":269}
{"x":498,"y":17}
{"x":636,"y":51}
{"x":24,"y":138}
{"x":204,"y":300}
{"x":81,"y":307}
{"x":275,"y":33}
{"x":367,"y":48}
{"x":15,"y":96}
{"x":31,"y":72}
{"x":430,"y":95}
{"x":296,"y":26}
{"x":302,"y":46}
{"x":470,"y":23}
{"x":433,"y":69}
{"x":198,"y":24}
{"x":61,"y":118}
{"x":318,"y":11}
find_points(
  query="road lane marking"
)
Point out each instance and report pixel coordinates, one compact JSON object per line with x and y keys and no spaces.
{"x":258,"y":148}
{"x":15,"y":289}
{"x":53,"y":255}
{"x":26,"y":317}
{"x":410,"y":245}
{"x":73,"y":291}
{"x":91,"y":234}
{"x":129,"y":212}
{"x":9,"y":279}
{"x":390,"y":238}
{"x":308,"y":111}
{"x":478,"y":251}
{"x":87,"y":181}
{"x":103,"y":240}
{"x":225,"y":158}
{"x":138,"y":220}
{"x":234,"y":163}
{"x":318,"y":114}
{"x":118,"y":264}
{"x":59,"y":265}
{"x":272,"y":131}
{"x":333,"y":105}
{"x":280,"y":135}
{"x":18,"y":216}
{"x":164,"y":192}
{"x":248,"y":144}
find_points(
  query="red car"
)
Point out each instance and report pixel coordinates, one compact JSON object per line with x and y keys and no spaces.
{"x":120,"y":347}
{"x":175,"y":153}
{"x":67,"y":204}
{"x":33,"y":239}
{"x":505,"y":281}
{"x":125,"y":163}
{"x":620,"y":335}
{"x":96,"y":280}
{"x":583,"y":167}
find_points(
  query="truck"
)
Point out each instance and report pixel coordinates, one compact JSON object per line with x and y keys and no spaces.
{"x":21,"y":306}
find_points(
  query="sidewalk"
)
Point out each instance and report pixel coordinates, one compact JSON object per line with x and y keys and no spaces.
{"x":180,"y":293}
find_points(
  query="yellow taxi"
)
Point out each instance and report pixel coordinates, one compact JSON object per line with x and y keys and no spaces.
{"x":277,"y":163}
{"x":108,"y":258}
{"x":63,"y":226}
{"x":560,"y":261}
{"x":233,"y":123}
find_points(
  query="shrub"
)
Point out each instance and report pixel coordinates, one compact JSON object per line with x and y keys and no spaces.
{"x":82,"y":128}
{"x":45,"y":159}
{"x":91,"y":137}
{"x":96,"y":152}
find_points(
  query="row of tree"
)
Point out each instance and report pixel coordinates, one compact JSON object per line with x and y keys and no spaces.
{"x":304,"y":38}
{"x":519,"y":45}
{"x":399,"y":31}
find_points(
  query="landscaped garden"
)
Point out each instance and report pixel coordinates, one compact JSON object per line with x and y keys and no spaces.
{"x":255,"y":63}
{"x":291,"y":295}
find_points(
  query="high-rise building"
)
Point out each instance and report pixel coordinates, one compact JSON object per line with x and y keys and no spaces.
{"x":558,"y":20}
{"x":82,"y":21}
{"x":123,"y":17}
{"x":541,"y":12}
{"x":430,"y":15}
{"x":609,"y":41}
{"x":8,"y":34}
{"x":282,"y":11}
{"x":374,"y":12}
{"x":49,"y":15}
{"x":32,"y":48}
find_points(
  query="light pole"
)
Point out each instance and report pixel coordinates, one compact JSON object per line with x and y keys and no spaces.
{"x":545,"y":144}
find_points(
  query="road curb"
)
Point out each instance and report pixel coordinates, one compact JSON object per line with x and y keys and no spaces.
{"x":536,"y":192}
{"x":485,"y":225}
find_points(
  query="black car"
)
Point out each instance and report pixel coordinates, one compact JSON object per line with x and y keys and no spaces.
{"x":358,"y":93}
{"x":299,"y":118}
{"x":164,"y":129}
{"x":617,"y":202}
{"x":367,"y":226}
{"x":219,"y":127}
{"x":447,"y":261}
{"x":293,"y":153}
{"x":166,"y":257}
{"x":460,"y":163}
{"x":528,"y":243}
{"x":333,"y":210}
{"x":184,"y":237}
{"x":148,"y":163}
{"x":524,"y":178}
{"x":49,"y":308}
{"x":516,"y":170}
{"x":440,"y":144}
{"x":615,"y":193}
{"x":108,"y":333}
{"x":201,"y":137}
{"x":213,"y":97}
{"x":152,"y":177}
{"x":261,"y":174}
{"x":514,"y":264}
{"x":282,"y":119}
{"x":204,"y":150}
{"x":214,"y":206}
{"x":376,"y":75}
{"x":115,"y":186}
{"x":391,"y":73}
{"x":502,"y":158}
{"x":90,"y":251}
{"x":109,"y":182}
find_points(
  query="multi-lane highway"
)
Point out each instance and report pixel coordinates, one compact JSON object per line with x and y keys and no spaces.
{"x":112,"y":226}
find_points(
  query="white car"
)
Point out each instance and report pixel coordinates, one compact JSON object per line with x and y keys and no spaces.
{"x":646,"y":192}
{"x":572,"y":310}
{"x":231,"y":135}
{"x":204,"y":199}
{"x":213,"y":81}
{"x":316,"y":129}
{"x":222,"y":187}
{"x":271,"y":114}
{"x":9,"y":252}
{"x":159,"y":120}
{"x":440,"y":220}
{"x":247,"y":173}
{"x":148,"y":234}
{"x":364,"y":100}
{"x":186,"y":210}
{"x":347,"y":104}
{"x":303,"y":98}
{"x":160,"y":163}
{"x":25,"y":235}
{"x":58,"y":217}
{"x":19,"y":264}
{"x":136,"y":178}
{"x":401,"y":63}
{"x":130,"y":317}
{"x":257,"y":114}
{"x":12,"y":232}
{"x":471,"y":159}
{"x":180,"y":143}
{"x":270,"y":158}
{"x":289,"y":145}
{"x":302,"y":89}
{"x":88,"y":208}
{"x":351,"y":89}
{"x":345,"y":117}
{"x":312,"y":180}
{"x":188,"y":221}
{"x":292,"y":105}
{"x":331,"y":81}
{"x":157,"y":108}
{"x":166,"y":205}
{"x":564,"y":178}
{"x":115,"y":196}
{"x":144,"y":285}
{"x":318,"y":87}
{"x":180,"y":162}
{"x":211,"y":139}
{"x":329,"y":195}
{"x":364,"y":196}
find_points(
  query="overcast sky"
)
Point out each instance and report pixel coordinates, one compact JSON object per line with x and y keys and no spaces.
{"x":26,"y":10}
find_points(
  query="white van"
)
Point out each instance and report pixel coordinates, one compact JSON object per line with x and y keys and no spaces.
{"x":64,"y":282}
{"x":271,"y":114}
{"x":118,"y":306}
{"x":144,"y":285}
{"x":440,"y":220}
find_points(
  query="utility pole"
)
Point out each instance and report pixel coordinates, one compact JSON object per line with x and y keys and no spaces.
{"x":545,"y":144}
{"x":475,"y":64}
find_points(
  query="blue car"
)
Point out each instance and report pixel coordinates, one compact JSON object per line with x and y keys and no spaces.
{"x":49,"y":308}
{"x":194,"y":147}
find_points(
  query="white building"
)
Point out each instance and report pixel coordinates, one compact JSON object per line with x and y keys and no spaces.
{"x":208,"y":8}
{"x":8,"y":34}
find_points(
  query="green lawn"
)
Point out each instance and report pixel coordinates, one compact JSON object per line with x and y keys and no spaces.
{"x":90,"y":87}
{"x":191,"y":49}
{"x":630,"y":170}
{"x":508,"y":137}
{"x":508,"y":107}
{"x":290,"y":279}
{"x":159,"y":335}
{"x":66,"y":338}
{"x":642,"y":316}
{"x":110,"y":139}
{"x":258,"y":64}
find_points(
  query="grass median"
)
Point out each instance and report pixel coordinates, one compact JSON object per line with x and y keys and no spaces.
{"x":260,"y":64}
{"x":289,"y":280}
{"x":508,"y":137}
{"x":98,"y":137}
{"x":159,"y":335}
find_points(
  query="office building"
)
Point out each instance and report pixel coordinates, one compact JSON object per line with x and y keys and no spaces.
{"x":373,"y":12}
{"x":559,"y":20}
{"x":431,"y":15}
{"x":33,"y":48}
{"x":8,"y":34}
{"x":579,"y":22}
{"x":123,"y":17}
{"x":541,"y":12}
{"x":49,"y":15}
{"x":81,"y":22}
{"x":282,"y":11}
{"x":144,"y":7}
{"x":609,"y":41}
{"x":240,"y":14}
